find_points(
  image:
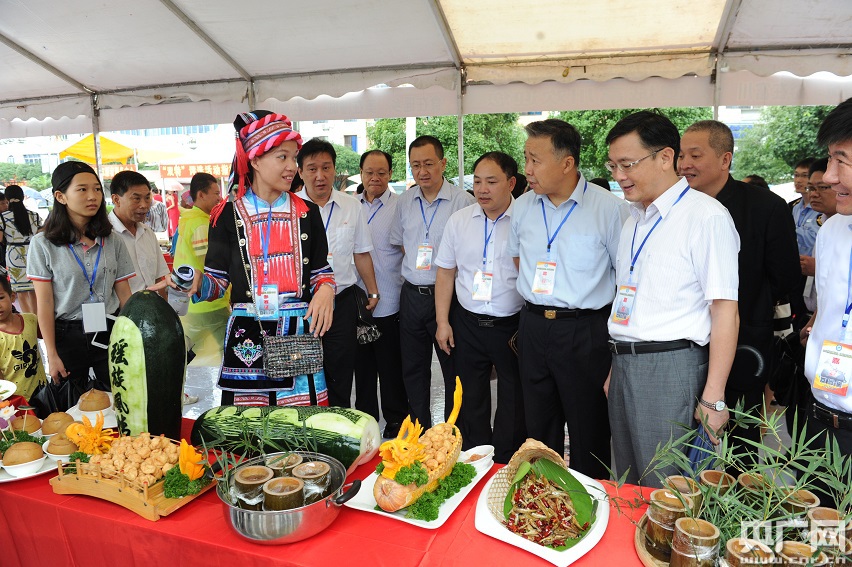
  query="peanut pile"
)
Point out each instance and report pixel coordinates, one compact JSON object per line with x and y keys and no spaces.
{"x":144,"y":459}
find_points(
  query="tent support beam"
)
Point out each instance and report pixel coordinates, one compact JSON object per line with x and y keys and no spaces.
{"x":96,"y":133}
{"x":730,"y":14}
{"x":44,"y":64}
{"x":188,"y":22}
{"x":461,"y":129}
{"x":449,"y":39}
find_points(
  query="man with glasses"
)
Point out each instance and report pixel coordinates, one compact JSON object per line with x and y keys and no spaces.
{"x":677,"y":283}
{"x":824,"y":203}
{"x":803,"y":215}
{"x":768,"y":260}
{"x":423,"y":213}
{"x":828,"y":335}
{"x":381,"y":360}
{"x":564,"y":241}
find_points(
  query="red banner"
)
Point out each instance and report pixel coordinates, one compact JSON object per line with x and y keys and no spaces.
{"x":186,"y":170}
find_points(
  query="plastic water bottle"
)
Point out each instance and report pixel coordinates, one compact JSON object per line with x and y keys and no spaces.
{"x":182,"y":277}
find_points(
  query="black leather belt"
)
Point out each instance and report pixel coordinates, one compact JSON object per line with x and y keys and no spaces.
{"x":556,"y":313}
{"x":646,"y":347}
{"x":421,"y":289}
{"x":489,"y":320}
{"x":832,"y":417}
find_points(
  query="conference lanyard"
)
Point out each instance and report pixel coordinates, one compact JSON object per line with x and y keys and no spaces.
{"x":488,"y":237}
{"x":328,"y":220}
{"x":264,"y":240}
{"x":381,"y":204}
{"x":642,"y":245}
{"x":848,"y":300}
{"x":91,"y":279}
{"x":423,"y":212}
{"x":550,"y":238}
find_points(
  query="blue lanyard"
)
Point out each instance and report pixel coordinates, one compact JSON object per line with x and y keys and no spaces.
{"x":264,"y":240}
{"x":328,"y":220}
{"x":381,"y":204}
{"x":488,"y":237}
{"x":91,"y":279}
{"x":659,"y":218}
{"x":848,"y":299}
{"x":550,"y":239}
{"x":423,"y":212}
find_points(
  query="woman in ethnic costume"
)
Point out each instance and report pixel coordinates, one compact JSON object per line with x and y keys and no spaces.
{"x":264,"y":239}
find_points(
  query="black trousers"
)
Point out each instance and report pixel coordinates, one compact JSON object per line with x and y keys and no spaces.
{"x":564,"y":364}
{"x":417,"y":328}
{"x":478,"y":349}
{"x":78,"y":354}
{"x":752,"y":404}
{"x":338,"y":346}
{"x":822,"y":431}
{"x":380,"y":363}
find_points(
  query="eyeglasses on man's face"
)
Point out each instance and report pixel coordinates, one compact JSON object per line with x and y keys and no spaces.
{"x":818,"y":188}
{"x":626,"y":167}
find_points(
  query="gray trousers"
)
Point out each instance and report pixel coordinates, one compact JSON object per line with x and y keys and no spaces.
{"x":651,"y":396}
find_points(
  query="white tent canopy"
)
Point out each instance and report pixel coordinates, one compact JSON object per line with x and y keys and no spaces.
{"x":127,"y":64}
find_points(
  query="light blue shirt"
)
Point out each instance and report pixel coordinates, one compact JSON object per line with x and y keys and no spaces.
{"x":410,"y":231}
{"x":806,"y":228}
{"x":382,"y":216}
{"x":584,"y":250}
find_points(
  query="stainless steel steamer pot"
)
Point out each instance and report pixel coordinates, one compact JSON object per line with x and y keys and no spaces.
{"x":288,"y":526}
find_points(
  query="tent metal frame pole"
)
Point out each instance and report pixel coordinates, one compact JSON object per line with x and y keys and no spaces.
{"x":44,"y":64}
{"x":96,"y":133}
{"x":461,"y":130}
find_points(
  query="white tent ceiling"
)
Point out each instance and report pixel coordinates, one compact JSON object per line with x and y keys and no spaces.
{"x":148,"y":63}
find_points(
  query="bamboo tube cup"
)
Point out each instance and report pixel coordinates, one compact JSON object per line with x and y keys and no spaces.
{"x":283,"y":493}
{"x":695,"y":543}
{"x":717,"y":479}
{"x":315,"y":475}
{"x":686,"y":487}
{"x":740,"y":552}
{"x":664,"y":510}
{"x":282,"y":465}
{"x":249,"y":482}
{"x":798,"y":553}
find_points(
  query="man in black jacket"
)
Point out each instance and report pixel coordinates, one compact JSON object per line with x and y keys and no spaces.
{"x":768,"y":259}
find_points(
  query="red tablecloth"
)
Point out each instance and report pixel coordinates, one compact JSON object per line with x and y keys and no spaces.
{"x":38,"y":527}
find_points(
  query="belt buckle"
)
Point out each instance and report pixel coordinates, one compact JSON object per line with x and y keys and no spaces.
{"x":423,"y":290}
{"x":550,"y":313}
{"x":486,"y":322}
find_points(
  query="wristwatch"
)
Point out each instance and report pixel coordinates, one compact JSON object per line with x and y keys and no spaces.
{"x":374,"y":296}
{"x":717,"y":406}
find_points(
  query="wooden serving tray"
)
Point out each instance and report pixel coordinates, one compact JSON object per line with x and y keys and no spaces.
{"x":646,"y":558}
{"x":149,"y":502}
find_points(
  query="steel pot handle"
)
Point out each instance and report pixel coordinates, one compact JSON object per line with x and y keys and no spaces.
{"x":354,"y":487}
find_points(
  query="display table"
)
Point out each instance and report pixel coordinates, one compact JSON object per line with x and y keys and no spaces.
{"x":38,"y":527}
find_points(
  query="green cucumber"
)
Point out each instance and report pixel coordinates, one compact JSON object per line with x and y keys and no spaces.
{"x":147,"y":363}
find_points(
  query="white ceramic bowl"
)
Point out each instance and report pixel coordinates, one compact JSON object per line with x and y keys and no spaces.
{"x":51,"y":456}
{"x":37,"y":433}
{"x":485,"y":454}
{"x":93,"y":415}
{"x":25,"y":469}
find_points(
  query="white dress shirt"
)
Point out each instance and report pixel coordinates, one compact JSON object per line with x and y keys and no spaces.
{"x":347,"y":234}
{"x":584,"y":249}
{"x":382,"y":216}
{"x":832,"y":250}
{"x":688,"y":261}
{"x":462,"y":247}
{"x":410,"y":231}
{"x":144,"y":250}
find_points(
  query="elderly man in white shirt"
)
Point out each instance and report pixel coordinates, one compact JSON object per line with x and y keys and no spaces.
{"x":131,"y":199}
{"x":349,"y":247}
{"x":479,"y":325}
{"x":828,"y":336}
{"x":677,"y":280}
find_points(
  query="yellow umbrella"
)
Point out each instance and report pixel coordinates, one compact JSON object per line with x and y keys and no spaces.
{"x":84,"y":150}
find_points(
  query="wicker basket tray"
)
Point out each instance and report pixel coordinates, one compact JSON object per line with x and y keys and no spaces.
{"x":149,"y":502}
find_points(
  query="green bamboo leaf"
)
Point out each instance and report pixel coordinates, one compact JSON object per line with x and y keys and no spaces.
{"x":583,"y":504}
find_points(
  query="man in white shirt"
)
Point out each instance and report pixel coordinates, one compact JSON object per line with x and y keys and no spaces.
{"x":423,"y":213}
{"x":381,"y":360}
{"x":677,"y":281}
{"x":564,"y":240}
{"x":131,"y":199}
{"x":479,"y":325}
{"x":828,"y":360}
{"x":349,"y":247}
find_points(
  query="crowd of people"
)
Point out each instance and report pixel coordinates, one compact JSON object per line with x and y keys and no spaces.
{"x":618,"y":319}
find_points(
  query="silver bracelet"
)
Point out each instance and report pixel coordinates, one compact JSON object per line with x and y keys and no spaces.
{"x":374,"y":296}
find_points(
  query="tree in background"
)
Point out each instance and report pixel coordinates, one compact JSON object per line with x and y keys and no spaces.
{"x":594,"y":125}
{"x":783,"y":136}
{"x":21,"y":174}
{"x":482,"y":133}
{"x":348,"y":160}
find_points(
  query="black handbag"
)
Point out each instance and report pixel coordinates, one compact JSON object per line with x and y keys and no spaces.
{"x":787,"y":376}
{"x":291,"y":355}
{"x":366,"y":330}
{"x":49,"y":398}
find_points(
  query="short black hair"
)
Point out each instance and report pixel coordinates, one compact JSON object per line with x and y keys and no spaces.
{"x":804,"y":162}
{"x":563,"y":136}
{"x":313,"y":147}
{"x":600,"y":182}
{"x":427,"y":140}
{"x":837,"y":126}
{"x":124,"y":180}
{"x":6,"y":285}
{"x":757,"y":181}
{"x":820,"y":164}
{"x":380,"y":152}
{"x":719,"y":135}
{"x":297,"y":183}
{"x":654,"y":129}
{"x":199,"y":183}
{"x":503,"y":160}
{"x":2,"y":196}
{"x":58,"y":228}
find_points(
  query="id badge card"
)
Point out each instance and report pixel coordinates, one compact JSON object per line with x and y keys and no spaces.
{"x":545,"y":276}
{"x":834,"y":368}
{"x":94,"y":317}
{"x":266,"y":303}
{"x":482,"y":285}
{"x":624,"y":304}
{"x":424,"y":257}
